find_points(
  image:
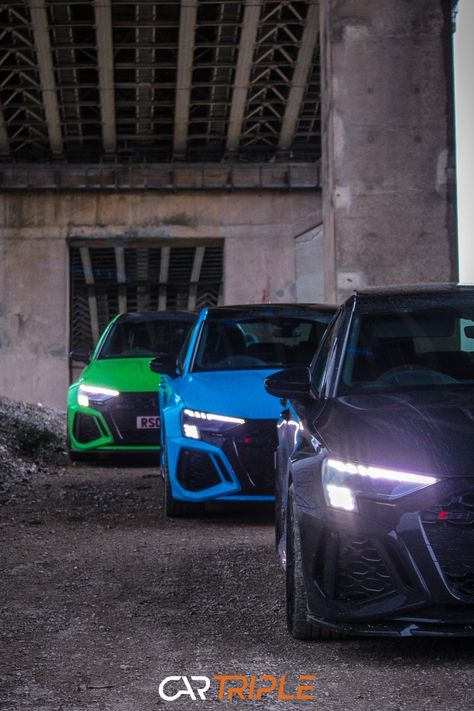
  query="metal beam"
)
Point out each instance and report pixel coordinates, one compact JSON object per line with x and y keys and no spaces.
{"x":242,"y":74}
{"x":39,"y":21}
{"x":195,"y":275}
{"x":300,"y":77}
{"x":105,"y":61}
{"x":121,"y":279}
{"x":89,"y":279}
{"x":4,"y":142}
{"x":187,"y":28}
{"x":163,"y":278}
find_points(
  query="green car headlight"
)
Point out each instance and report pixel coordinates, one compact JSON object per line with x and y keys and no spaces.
{"x":94,"y":394}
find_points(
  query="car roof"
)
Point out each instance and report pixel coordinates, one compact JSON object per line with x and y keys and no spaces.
{"x":279,"y":309}
{"x":141,"y":316}
{"x":414,"y":290}
{"x":391,"y":296}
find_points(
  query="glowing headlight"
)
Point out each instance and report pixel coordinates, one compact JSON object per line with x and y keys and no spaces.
{"x":343,"y":482}
{"x":193,"y":421}
{"x":94,"y":393}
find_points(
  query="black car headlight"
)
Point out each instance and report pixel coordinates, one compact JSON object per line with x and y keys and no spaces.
{"x":90,"y":395}
{"x":193,"y":422}
{"x":343,"y":482}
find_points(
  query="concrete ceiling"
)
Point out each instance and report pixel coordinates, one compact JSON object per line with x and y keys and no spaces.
{"x":193,"y":80}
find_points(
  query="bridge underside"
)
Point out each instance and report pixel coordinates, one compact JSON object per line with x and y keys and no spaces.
{"x":160,"y":80}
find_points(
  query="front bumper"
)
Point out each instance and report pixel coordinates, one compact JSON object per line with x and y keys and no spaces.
{"x":403,"y":569}
{"x":237,"y":466}
{"x":112,"y":426}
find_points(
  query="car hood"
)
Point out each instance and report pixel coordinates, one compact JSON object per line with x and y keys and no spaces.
{"x":236,"y":392}
{"x":124,"y":374}
{"x":417,"y":431}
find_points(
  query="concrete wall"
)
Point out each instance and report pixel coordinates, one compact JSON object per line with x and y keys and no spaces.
{"x":259,"y":261}
{"x":388,"y":143}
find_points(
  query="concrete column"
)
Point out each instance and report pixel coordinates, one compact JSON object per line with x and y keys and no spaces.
{"x":388,"y":143}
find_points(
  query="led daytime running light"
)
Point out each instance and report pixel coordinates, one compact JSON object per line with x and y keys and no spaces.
{"x":378,"y":473}
{"x":95,"y":390}
{"x":196,"y":414}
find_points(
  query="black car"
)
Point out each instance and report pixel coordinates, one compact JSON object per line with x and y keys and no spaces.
{"x":375,"y":483}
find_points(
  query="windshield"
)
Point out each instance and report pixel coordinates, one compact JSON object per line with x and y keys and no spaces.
{"x":410,"y":347}
{"x":258,"y":342}
{"x":143,"y":339}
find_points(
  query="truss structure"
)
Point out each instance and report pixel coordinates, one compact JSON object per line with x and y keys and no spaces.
{"x":161,"y":80}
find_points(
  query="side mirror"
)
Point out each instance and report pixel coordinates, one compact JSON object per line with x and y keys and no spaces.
{"x":164,"y":365}
{"x":291,"y":383}
{"x":82,"y":355}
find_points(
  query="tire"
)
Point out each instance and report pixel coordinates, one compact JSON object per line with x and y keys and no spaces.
{"x":173,"y":507}
{"x":75,"y":456}
{"x":296,"y":600}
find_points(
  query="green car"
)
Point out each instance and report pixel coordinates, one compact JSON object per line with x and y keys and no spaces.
{"x":113,"y":407}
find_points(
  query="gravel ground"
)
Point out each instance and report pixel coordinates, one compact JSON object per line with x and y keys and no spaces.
{"x":101,"y":598}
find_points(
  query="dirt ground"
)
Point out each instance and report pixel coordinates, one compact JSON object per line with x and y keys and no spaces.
{"x":102,"y":598}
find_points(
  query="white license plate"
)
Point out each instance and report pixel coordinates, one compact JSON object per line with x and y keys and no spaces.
{"x":146,"y":422}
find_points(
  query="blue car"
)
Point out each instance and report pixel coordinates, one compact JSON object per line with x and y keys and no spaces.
{"x":218,"y":423}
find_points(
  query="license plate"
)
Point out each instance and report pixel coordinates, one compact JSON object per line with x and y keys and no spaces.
{"x":146,"y":422}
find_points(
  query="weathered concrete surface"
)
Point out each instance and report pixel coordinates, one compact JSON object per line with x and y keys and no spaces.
{"x":388,"y":160}
{"x":258,"y":229}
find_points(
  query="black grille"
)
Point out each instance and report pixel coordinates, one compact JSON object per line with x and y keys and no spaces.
{"x":139,"y":403}
{"x":256,"y":446}
{"x":196,"y":470}
{"x":361,"y":574}
{"x":250,"y":450}
{"x":142,"y":289}
{"x":121,"y":417}
{"x":86,"y":428}
{"x":450,"y":531}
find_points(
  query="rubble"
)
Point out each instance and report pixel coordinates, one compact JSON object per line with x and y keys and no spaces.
{"x":32,"y":441}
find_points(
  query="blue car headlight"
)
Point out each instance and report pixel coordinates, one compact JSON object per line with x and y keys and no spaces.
{"x":194,"y":422}
{"x":94,"y":395}
{"x":343,"y":482}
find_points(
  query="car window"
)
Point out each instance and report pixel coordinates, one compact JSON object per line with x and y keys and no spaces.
{"x":410,"y":347}
{"x":319,"y":368}
{"x":259,"y":342}
{"x":184,"y":349}
{"x":140,"y":339}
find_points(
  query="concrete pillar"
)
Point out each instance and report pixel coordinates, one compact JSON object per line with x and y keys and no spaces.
{"x":388,"y":143}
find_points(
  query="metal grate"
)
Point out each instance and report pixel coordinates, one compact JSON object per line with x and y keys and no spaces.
{"x":106,"y":280}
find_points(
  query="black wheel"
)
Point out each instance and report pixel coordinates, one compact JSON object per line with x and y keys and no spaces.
{"x":75,"y":456}
{"x":296,"y":601}
{"x":173,"y":507}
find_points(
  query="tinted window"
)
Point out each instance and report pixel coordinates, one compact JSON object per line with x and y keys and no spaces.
{"x":258,"y":342}
{"x":319,"y":371}
{"x":140,"y":339}
{"x":410,"y":347}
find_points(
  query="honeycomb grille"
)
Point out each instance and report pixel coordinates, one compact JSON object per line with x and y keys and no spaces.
{"x":86,"y":428}
{"x":196,"y":471}
{"x":450,"y":531}
{"x":361,"y":574}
